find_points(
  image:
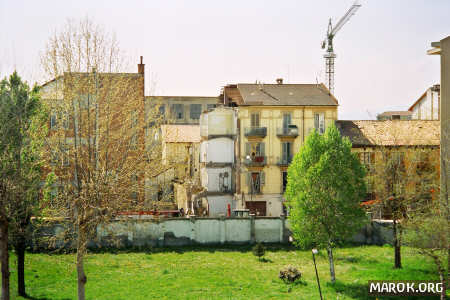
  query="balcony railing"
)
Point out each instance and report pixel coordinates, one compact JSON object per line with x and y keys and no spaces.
{"x":256,"y":131}
{"x":290,"y":131}
{"x":256,"y":161}
{"x":284,"y":160}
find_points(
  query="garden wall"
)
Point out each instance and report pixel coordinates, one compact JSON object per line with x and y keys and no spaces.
{"x":191,"y":231}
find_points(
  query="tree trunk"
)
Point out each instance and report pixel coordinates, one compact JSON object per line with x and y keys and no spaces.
{"x":20,"y":251}
{"x":397,"y":253}
{"x":4,"y":258}
{"x":444,"y":285}
{"x":331,"y":261}
{"x":82,"y":279}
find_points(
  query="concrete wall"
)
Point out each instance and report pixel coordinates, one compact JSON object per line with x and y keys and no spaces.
{"x":218,"y":204}
{"x":218,"y":150}
{"x":221,"y":121}
{"x":216,"y":179}
{"x":188,"y":231}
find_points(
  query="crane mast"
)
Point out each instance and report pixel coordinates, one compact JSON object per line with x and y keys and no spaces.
{"x":328,"y":43}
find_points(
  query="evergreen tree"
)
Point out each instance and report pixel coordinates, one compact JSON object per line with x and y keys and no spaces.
{"x":22,"y":132}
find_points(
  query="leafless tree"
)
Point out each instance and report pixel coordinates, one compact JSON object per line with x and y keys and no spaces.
{"x":97,"y":148}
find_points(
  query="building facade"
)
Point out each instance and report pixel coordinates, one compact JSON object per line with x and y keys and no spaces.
{"x":273,"y":123}
{"x":410,"y":147}
{"x":428,"y":105}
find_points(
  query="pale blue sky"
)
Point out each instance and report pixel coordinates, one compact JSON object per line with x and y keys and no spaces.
{"x":195,"y":47}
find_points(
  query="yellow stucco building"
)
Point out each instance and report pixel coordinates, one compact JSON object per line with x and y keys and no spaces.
{"x":273,"y":121}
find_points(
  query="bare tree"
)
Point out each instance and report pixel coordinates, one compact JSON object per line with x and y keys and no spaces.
{"x":404,"y":173}
{"x":97,"y":136}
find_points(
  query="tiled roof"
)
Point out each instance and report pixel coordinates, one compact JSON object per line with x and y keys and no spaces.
{"x":181,"y":133}
{"x":391,"y":132}
{"x":286,"y":94}
{"x":397,"y":112}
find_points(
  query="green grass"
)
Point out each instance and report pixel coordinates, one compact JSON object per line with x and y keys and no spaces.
{"x":215,"y":273}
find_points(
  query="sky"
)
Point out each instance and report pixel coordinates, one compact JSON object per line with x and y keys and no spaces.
{"x":194,"y":48}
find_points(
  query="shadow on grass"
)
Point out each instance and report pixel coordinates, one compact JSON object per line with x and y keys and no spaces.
{"x":195,"y":248}
{"x":360,"y":291}
{"x":265,"y":260}
{"x":44,"y":298}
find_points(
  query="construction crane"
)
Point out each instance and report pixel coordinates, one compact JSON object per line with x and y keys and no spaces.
{"x":328,"y":43}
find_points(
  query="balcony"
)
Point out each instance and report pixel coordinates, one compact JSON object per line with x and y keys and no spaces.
{"x":284,"y":161}
{"x":255,"y":131}
{"x":290,"y":131}
{"x":255,"y":161}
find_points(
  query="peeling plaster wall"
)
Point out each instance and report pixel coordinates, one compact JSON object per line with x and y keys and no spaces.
{"x":189,"y":231}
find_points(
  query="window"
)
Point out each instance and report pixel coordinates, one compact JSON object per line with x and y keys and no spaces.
{"x":255,"y":181}
{"x":370,"y":189}
{"x":162,"y":109}
{"x":195,"y":111}
{"x":133,"y":142}
{"x":134,"y":118}
{"x":254,"y":149}
{"x":284,"y":180}
{"x":255,"y":120}
{"x":286,"y":155}
{"x":319,"y":122}
{"x":53,"y":121}
{"x":287,"y":118}
{"x":211,"y":106}
{"x":368,"y":160}
{"x":178,"y":111}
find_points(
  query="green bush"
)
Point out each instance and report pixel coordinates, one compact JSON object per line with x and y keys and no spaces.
{"x":259,"y":250}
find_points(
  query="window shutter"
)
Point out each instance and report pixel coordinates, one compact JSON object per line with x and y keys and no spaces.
{"x":263,"y":177}
{"x":247,"y":149}
{"x":262,"y":149}
{"x":316,"y":121}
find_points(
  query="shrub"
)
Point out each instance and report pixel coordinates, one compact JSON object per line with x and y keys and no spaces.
{"x":290,"y":274}
{"x":259,"y":250}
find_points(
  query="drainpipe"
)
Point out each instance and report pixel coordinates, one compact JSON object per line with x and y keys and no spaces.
{"x":303,"y":126}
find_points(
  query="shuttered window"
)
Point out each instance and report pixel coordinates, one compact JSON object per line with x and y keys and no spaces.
{"x":319,"y":122}
{"x":195,"y":111}
{"x":255,"y":122}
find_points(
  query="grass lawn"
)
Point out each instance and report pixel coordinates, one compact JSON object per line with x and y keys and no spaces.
{"x":215,"y":273}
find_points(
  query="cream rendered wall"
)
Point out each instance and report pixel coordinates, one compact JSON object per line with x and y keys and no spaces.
{"x":218,"y":150}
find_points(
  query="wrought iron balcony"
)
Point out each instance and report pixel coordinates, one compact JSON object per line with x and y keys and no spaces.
{"x":256,"y":161}
{"x":284,"y":160}
{"x":290,"y":131}
{"x":255,"y":131}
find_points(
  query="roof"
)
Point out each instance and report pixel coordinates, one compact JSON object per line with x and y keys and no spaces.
{"x":181,"y":133}
{"x":286,"y":95}
{"x":396,"y":112}
{"x":183,"y":98}
{"x":421,"y":97}
{"x":391,"y":132}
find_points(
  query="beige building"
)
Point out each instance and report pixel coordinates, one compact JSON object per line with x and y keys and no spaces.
{"x":415,"y":143}
{"x":181,"y":109}
{"x":273,"y":123}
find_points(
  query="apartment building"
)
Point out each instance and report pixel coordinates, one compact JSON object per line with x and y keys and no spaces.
{"x":273,"y":123}
{"x":96,"y":123}
{"x":181,"y":109}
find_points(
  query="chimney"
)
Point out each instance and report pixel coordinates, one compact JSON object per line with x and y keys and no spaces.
{"x":141,"y":66}
{"x":279,"y":80}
